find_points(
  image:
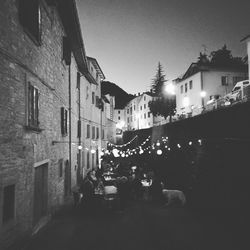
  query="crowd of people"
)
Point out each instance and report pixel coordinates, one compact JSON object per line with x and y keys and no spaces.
{"x":95,"y":190}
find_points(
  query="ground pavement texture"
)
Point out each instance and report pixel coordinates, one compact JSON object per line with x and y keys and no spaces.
{"x":140,"y":226}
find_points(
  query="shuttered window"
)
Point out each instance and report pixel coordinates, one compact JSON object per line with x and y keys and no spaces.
{"x":30,"y":18}
{"x":64,"y":121}
{"x":33,"y":106}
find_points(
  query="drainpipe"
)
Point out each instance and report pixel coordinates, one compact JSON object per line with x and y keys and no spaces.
{"x":70,"y":139}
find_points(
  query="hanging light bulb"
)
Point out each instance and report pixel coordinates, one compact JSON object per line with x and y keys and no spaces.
{"x":179,"y":146}
{"x":80,"y":147}
{"x":159,"y":152}
{"x":169,"y":149}
{"x":166,"y":146}
{"x":199,"y":141}
{"x":158,"y":144}
{"x":141,"y":152}
{"x":190,"y":143}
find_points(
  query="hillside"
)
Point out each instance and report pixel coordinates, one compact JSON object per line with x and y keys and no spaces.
{"x":121,"y":96}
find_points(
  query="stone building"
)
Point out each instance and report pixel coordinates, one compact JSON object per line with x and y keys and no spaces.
{"x":92,"y":124}
{"x":42,"y":58}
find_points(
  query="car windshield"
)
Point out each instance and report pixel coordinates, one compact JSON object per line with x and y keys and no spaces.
{"x":236,"y":88}
{"x":246,"y":82}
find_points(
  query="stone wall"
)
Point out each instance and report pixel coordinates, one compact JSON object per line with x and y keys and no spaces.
{"x":21,"y":61}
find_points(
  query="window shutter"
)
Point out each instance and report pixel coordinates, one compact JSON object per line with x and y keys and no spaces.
{"x":79,"y":129}
{"x":36,"y":123}
{"x":78,"y":80}
{"x":62,"y":121}
{"x":23,"y":8}
{"x":66,"y":121}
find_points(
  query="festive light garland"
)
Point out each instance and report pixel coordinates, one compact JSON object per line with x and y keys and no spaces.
{"x":122,"y":145}
{"x":159,"y":147}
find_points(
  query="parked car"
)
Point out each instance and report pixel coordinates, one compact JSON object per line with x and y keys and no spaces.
{"x":237,"y":91}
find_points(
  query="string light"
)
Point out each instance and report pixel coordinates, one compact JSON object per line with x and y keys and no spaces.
{"x":159,"y":152}
{"x":190,"y":143}
{"x":179,"y":146}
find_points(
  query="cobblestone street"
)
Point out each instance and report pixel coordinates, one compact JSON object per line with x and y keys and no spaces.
{"x":140,"y":226}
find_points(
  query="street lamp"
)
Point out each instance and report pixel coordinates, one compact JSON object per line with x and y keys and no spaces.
{"x":170,"y":91}
{"x":170,"y":88}
{"x":203,"y":95}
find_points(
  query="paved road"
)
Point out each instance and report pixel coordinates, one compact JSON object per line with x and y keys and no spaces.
{"x":140,"y":226}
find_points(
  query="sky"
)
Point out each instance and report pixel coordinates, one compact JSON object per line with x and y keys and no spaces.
{"x":129,"y":37}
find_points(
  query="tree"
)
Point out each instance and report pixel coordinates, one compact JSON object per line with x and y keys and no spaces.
{"x":163,"y":104}
{"x":221,"y":57}
{"x":203,"y":59}
{"x":158,"y":81}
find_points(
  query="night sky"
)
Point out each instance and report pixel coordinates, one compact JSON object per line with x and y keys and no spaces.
{"x":130,"y":37}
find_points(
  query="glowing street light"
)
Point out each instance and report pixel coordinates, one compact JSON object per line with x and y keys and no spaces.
{"x":170,"y":88}
{"x":203,"y":94}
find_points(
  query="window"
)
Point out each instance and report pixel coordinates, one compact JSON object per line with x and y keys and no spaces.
{"x":93,"y":97}
{"x":190,"y":84}
{"x":148,"y":114}
{"x":33,"y":107}
{"x":144,"y":115}
{"x":87,"y":92}
{"x":102,"y":133}
{"x":130,"y":110}
{"x":60,"y":167}
{"x":134,"y":107}
{"x":79,"y":130}
{"x":88,"y":131}
{"x":93,"y":132}
{"x":88,"y":165}
{"x":66,"y":50}
{"x":97,"y":133}
{"x":186,"y":87}
{"x":78,"y":80}
{"x":181,"y":89}
{"x":127,"y":111}
{"x":141,"y":107}
{"x":224,"y":80}
{"x":144,"y":106}
{"x":144,"y":98}
{"x":64,"y":121}
{"x":97,"y":101}
{"x":8,"y":203}
{"x":119,"y":118}
{"x":97,"y":157}
{"x":119,"y":111}
{"x":128,"y":119}
{"x":30,"y":18}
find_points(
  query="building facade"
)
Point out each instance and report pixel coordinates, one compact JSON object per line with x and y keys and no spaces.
{"x":201,"y":83}
{"x":44,"y":75}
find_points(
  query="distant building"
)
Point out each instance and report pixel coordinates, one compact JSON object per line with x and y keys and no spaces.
{"x":201,"y":83}
{"x":92,"y":124}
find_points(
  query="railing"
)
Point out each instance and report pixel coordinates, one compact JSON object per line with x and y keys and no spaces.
{"x":224,"y":102}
